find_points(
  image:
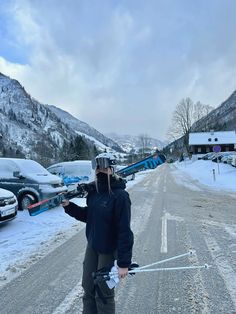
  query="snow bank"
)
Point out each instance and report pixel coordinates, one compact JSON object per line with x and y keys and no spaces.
{"x":26,"y":239}
{"x":202,"y":171}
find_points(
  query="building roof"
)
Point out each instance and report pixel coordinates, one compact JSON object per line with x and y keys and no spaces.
{"x":212,"y":138}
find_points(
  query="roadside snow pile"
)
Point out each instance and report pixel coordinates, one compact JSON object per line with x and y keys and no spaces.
{"x":26,"y":239}
{"x":202,"y":171}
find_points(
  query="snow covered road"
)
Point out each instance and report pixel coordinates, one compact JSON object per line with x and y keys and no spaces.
{"x":171,"y":214}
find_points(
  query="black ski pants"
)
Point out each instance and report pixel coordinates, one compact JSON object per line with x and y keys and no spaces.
{"x":92,"y":302}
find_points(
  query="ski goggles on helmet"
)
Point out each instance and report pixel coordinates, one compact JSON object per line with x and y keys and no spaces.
{"x":103,"y":163}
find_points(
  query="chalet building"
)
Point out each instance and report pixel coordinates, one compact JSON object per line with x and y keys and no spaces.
{"x":203,"y":142}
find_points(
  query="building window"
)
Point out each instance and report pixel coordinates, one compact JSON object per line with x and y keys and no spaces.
{"x":209,"y":139}
{"x":208,"y":150}
{"x":199,"y":149}
{"x":216,"y":139}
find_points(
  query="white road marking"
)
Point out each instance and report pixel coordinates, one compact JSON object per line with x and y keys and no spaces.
{"x":164,"y":220}
{"x":172,"y":217}
{"x":164,"y":189}
{"x":75,"y":294}
{"x":164,"y":233}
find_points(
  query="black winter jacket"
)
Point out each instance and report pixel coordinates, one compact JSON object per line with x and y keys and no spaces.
{"x":107,"y":217}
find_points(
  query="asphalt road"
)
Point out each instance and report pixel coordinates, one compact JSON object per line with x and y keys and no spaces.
{"x":168,"y":219}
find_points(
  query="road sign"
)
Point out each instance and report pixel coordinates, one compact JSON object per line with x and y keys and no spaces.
{"x":216,"y":148}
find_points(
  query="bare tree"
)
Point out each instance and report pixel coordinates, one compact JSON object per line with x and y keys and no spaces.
{"x":144,"y":142}
{"x":182,"y":119}
{"x":201,"y":110}
{"x":185,"y":114}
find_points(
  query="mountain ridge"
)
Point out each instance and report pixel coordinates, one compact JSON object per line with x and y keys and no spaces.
{"x":136,"y":142}
{"x":222,"y":118}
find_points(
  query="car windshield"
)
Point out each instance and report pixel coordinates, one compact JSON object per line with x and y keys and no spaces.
{"x":31,"y":166}
{"x":78,"y":170}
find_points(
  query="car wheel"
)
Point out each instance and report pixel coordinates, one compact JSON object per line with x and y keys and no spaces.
{"x":26,"y":200}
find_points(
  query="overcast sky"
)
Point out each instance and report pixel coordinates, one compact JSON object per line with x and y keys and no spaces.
{"x":121,"y":66}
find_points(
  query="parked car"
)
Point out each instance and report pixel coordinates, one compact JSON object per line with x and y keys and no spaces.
{"x":29,"y":181}
{"x":233,"y":162}
{"x":8,"y":205}
{"x":207,"y":156}
{"x":227,"y":158}
{"x":217,"y":157}
{"x":213,"y":156}
{"x":225,"y":154}
{"x":73,"y":172}
{"x":224,"y":159}
{"x":230,"y":159}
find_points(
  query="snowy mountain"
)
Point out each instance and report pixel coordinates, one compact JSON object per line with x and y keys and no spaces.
{"x":29,"y":128}
{"x":86,"y":130}
{"x":134,"y":143}
{"x":223,"y":118}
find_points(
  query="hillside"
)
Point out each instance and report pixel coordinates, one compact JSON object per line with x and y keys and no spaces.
{"x":34,"y":130}
{"x":223,"y":118}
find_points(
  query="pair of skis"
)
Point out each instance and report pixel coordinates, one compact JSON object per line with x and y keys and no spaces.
{"x":42,"y":206}
{"x":150,"y":162}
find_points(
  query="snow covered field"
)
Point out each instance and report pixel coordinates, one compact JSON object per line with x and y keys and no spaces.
{"x":26,"y":239}
{"x":202,"y":171}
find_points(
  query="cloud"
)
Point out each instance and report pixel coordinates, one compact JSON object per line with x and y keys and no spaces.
{"x":123,"y":63}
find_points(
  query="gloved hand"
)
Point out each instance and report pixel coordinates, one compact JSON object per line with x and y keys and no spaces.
{"x":65,"y":203}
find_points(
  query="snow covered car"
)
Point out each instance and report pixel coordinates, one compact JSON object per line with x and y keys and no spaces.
{"x":223,"y":156}
{"x":8,"y":205}
{"x":29,"y":181}
{"x":207,"y":156}
{"x":73,"y":172}
{"x":233,"y":162}
{"x":224,"y":159}
{"x":227,"y":158}
{"x":230,"y":159}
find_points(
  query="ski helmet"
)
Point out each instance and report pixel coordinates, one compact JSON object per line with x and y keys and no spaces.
{"x":104,"y":160}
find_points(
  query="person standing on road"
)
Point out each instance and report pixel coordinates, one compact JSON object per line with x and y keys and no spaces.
{"x":109,"y":237}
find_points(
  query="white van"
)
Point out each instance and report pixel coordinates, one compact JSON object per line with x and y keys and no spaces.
{"x":73,"y":172}
{"x":8,"y":206}
{"x":29,"y":181}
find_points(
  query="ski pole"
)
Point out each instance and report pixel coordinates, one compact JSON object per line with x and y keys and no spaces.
{"x":166,"y":260}
{"x":152,"y":264}
{"x":206,"y":266}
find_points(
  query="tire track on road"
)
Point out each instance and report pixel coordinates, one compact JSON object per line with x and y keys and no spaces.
{"x":223,"y":265}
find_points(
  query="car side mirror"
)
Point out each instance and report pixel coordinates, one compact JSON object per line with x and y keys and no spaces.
{"x":17,"y":174}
